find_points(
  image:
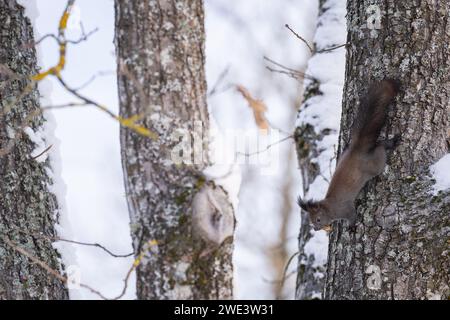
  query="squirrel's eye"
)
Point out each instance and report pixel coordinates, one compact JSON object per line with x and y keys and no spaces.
{"x":318,"y":220}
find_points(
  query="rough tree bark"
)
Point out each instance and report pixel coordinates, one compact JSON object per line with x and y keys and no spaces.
{"x":26,"y":204}
{"x":400,"y":247}
{"x":315,"y":155}
{"x":160,"y":49}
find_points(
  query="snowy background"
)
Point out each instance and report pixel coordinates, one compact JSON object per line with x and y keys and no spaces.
{"x":239,"y":35}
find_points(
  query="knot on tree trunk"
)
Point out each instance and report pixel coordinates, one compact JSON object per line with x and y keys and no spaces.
{"x":212,"y":215}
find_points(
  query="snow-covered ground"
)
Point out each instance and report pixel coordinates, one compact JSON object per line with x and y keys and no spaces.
{"x":239,"y":35}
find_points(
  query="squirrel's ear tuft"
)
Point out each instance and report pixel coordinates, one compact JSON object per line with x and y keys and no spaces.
{"x":302,"y":204}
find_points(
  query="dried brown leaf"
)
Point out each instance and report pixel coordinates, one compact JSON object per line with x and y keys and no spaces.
{"x":258,"y":107}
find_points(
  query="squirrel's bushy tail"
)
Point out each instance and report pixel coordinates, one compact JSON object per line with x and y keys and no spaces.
{"x":371,"y":115}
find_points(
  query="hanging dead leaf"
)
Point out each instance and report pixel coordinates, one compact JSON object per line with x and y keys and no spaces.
{"x":258,"y":107}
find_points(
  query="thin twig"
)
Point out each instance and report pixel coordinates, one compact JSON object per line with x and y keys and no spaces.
{"x":287,"y":267}
{"x":85,"y":99}
{"x":219,"y":80}
{"x":278,"y":128}
{"x":332,"y":48}
{"x":285,"y":275}
{"x":279,"y":64}
{"x":300,"y":73}
{"x":41,"y":236}
{"x":84,"y":36}
{"x":136,"y":263}
{"x":299,"y":37}
{"x":310,"y":47}
{"x":46,"y":267}
{"x":92,"y":79}
{"x":64,"y":106}
{"x":65,"y":280}
{"x":43,"y":152}
{"x":49,"y":35}
{"x":95,"y":245}
{"x":294,"y":75}
{"x":266,"y":149}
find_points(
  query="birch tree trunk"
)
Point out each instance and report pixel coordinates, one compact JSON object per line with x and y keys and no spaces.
{"x":26,"y":204}
{"x":400,"y":247}
{"x":317,"y":137}
{"x":160,"y":49}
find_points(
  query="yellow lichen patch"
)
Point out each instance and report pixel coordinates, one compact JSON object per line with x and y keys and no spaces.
{"x":56,"y":70}
{"x":147,"y":247}
{"x":63,"y":20}
{"x":131,"y":123}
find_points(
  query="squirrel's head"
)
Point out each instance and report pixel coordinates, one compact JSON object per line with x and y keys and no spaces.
{"x":319,"y":213}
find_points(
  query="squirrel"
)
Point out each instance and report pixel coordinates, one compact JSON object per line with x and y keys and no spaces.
{"x":362,"y":160}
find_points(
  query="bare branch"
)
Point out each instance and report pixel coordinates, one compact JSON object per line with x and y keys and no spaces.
{"x":41,"y":236}
{"x":284,"y":67}
{"x":291,"y":74}
{"x":93,"y":78}
{"x":65,"y":280}
{"x":296,"y":74}
{"x":311,"y":47}
{"x":95,"y":245}
{"x":265,"y":149}
{"x":46,"y":267}
{"x":332,"y":48}
{"x":64,"y":106}
{"x":86,"y":100}
{"x":285,"y":275}
{"x":299,"y":37}
{"x":84,"y":36}
{"x":43,"y":152}
{"x":219,"y":81}
{"x":49,"y":35}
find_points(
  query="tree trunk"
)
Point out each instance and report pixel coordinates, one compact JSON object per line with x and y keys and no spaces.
{"x":316,"y":139}
{"x":400,"y":247}
{"x":160,"y":49}
{"x":26,"y":204}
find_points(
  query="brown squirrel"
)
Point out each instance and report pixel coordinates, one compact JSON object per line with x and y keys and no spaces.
{"x":364,"y":159}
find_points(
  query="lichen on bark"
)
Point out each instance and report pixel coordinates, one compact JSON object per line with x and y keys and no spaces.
{"x":26,"y":204}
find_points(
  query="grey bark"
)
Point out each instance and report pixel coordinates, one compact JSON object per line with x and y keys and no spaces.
{"x":400,"y":247}
{"x":160,"y":49}
{"x":26,"y":204}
